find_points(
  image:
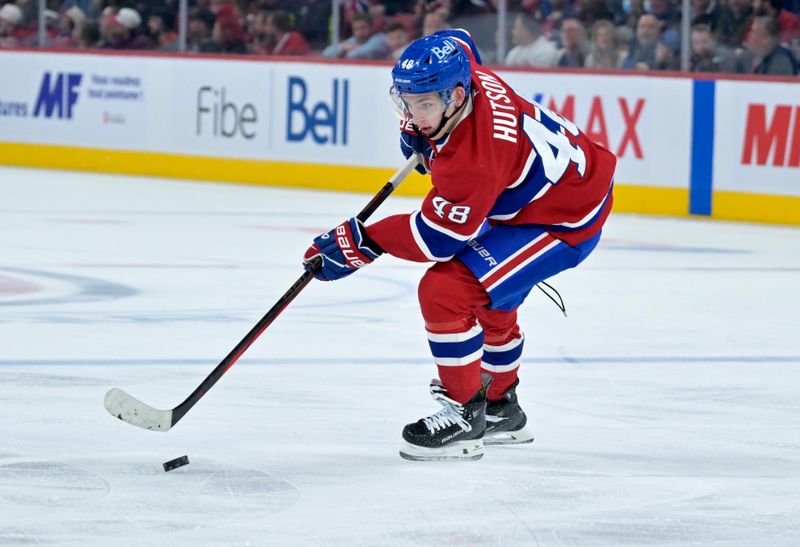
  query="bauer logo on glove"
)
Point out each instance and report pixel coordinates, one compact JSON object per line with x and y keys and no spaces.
{"x":343,"y":250}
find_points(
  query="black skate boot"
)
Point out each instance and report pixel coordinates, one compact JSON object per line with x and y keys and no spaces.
{"x":505,"y":420}
{"x":453,"y":433}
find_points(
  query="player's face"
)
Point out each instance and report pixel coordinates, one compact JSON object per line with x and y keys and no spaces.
{"x":425,"y":110}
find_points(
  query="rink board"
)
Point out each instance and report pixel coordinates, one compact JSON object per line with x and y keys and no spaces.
{"x":718,"y":148}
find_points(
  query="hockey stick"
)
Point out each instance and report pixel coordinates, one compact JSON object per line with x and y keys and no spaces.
{"x":133,"y":411}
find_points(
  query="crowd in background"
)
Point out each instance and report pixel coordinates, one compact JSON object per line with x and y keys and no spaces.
{"x":735,"y":36}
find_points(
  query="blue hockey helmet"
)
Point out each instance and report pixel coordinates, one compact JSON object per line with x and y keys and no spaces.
{"x":431,"y":64}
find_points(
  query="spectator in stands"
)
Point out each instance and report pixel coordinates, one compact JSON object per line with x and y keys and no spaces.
{"x":90,"y":8}
{"x":105,"y":22}
{"x":363,"y":44}
{"x":312,"y":22}
{"x":589,"y":11}
{"x":632,"y":10}
{"x":707,"y":12}
{"x":67,"y":22}
{"x":667,"y":12}
{"x":281,"y":39}
{"x":531,"y":48}
{"x":228,"y":32}
{"x":643,"y":51}
{"x":434,"y":21}
{"x":574,"y":46}
{"x":552,"y":21}
{"x":471,"y":8}
{"x":86,"y":35}
{"x":770,"y":57}
{"x":429,"y":6}
{"x":161,"y":27}
{"x":397,"y":37}
{"x":789,"y":22}
{"x":606,"y":51}
{"x":200,"y":27}
{"x":707,"y":55}
{"x":377,"y":13}
{"x":733,"y":22}
{"x":10,"y":21}
{"x":667,"y":55}
{"x":124,"y":31}
{"x":51,"y":19}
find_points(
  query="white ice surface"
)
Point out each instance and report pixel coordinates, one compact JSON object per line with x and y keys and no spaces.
{"x":665,"y":408}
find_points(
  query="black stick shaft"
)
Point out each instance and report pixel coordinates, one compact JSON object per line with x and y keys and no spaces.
{"x":181,"y":410}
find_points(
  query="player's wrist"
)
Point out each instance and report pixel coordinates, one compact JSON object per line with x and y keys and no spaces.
{"x":367,"y":242}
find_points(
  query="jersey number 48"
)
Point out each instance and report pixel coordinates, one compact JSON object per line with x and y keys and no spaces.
{"x":547,"y":133}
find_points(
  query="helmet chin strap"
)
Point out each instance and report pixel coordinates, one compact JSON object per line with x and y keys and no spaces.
{"x":445,"y":119}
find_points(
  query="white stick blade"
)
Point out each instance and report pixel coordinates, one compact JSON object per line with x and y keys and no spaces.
{"x":130,"y":409}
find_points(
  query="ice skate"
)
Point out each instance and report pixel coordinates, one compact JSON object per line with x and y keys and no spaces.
{"x":506,"y":421}
{"x":453,"y":433}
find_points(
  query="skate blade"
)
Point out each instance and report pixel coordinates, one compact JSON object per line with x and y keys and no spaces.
{"x":459,"y":450}
{"x":523,"y":436}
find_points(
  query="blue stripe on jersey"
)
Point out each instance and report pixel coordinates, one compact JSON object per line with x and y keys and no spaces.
{"x":502,"y":357}
{"x":439,"y":244}
{"x":457,"y":349}
{"x":513,"y":199}
{"x":504,"y":240}
{"x":553,"y":228}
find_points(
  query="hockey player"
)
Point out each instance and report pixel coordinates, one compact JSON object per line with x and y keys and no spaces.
{"x":518,"y":195}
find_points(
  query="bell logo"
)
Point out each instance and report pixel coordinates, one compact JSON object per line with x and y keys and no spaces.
{"x":57,"y":96}
{"x":325,"y":122}
{"x":442,"y":52}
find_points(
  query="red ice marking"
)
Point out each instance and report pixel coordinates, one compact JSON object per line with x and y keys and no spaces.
{"x":11,"y":286}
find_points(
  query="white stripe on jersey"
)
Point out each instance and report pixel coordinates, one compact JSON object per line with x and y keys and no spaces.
{"x":530,"y":259}
{"x":527,"y":167}
{"x":585,"y":219}
{"x":505,"y":347}
{"x":458,"y":361}
{"x":541,"y":192}
{"x":455,"y":235}
{"x":455,"y":336}
{"x":513,"y":256}
{"x":500,"y":368}
{"x":505,"y":217}
{"x":421,"y":242}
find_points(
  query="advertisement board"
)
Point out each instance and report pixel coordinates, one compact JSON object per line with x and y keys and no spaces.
{"x":685,"y":145}
{"x":757,"y":138}
{"x":328,"y":113}
{"x":645,"y":121}
{"x":67,"y":99}
{"x":307,"y":112}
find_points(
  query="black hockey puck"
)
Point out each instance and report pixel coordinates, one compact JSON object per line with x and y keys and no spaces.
{"x":177,"y":462}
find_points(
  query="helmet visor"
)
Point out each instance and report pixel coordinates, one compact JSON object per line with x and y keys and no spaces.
{"x":418,"y":106}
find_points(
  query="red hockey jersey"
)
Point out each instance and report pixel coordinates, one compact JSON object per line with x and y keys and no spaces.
{"x":507,"y":160}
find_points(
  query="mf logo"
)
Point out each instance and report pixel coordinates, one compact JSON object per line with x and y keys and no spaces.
{"x":326,"y":121}
{"x":57,"y":95}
